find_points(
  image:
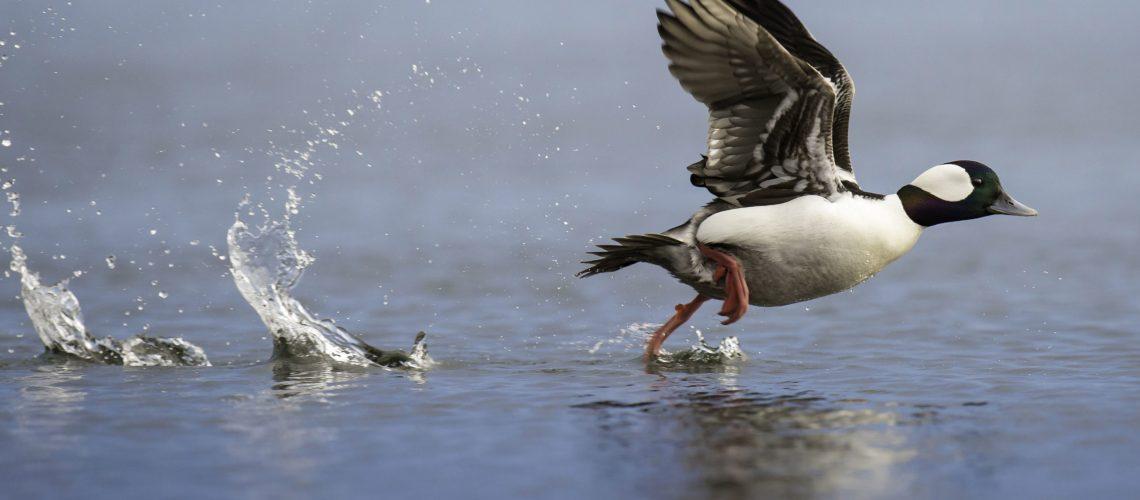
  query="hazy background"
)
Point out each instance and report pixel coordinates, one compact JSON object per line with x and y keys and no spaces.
{"x":510,"y":134}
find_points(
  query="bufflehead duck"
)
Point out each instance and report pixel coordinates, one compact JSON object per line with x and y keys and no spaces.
{"x":789,"y":222}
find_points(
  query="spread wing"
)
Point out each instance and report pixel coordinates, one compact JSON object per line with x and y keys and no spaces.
{"x":777,"y":100}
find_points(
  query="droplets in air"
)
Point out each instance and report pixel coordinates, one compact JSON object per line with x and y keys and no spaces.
{"x":14,"y":200}
{"x":293,"y":204}
{"x":110,"y":260}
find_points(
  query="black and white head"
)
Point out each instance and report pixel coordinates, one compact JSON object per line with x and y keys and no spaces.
{"x":959,"y":190}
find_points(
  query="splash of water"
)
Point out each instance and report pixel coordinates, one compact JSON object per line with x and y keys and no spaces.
{"x":266,"y":264}
{"x":701,"y":353}
{"x":57,"y":319}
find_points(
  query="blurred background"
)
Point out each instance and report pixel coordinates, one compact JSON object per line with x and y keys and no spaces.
{"x":490,"y":143}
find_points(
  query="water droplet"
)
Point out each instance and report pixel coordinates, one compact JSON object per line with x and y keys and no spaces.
{"x":14,"y":200}
{"x":162,"y":294}
{"x":110,"y":262}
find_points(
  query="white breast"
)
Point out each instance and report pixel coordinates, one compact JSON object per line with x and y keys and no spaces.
{"x":810,"y":247}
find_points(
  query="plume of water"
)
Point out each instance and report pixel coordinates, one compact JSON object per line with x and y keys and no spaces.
{"x":266,"y":264}
{"x":57,"y":319}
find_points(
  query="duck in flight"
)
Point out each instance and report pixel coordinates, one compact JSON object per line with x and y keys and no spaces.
{"x":789,"y":222}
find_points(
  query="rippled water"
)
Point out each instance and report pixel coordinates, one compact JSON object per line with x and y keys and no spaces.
{"x":1001,"y":358}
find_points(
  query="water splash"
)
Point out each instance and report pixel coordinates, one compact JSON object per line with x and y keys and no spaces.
{"x":57,"y":319}
{"x":634,"y":336}
{"x":701,"y":353}
{"x":266,"y":264}
{"x":55,"y":314}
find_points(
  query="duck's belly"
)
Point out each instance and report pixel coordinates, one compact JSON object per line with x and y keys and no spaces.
{"x":788,"y":274}
{"x":810,"y":247}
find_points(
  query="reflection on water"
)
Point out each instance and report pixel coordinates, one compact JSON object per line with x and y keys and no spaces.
{"x":735,"y":443}
{"x":273,"y":424}
{"x":316,"y":381}
{"x":320,"y":380}
{"x":49,"y":405}
{"x":288,"y":430}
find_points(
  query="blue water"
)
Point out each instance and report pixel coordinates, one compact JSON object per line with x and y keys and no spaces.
{"x":1000,"y":358}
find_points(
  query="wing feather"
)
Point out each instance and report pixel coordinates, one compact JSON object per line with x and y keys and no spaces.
{"x":783,"y":24}
{"x":772,"y":112}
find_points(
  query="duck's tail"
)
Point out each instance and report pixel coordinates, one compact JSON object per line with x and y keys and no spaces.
{"x":628,"y":251}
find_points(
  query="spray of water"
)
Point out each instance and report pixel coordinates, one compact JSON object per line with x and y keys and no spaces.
{"x":58,"y":321}
{"x":266,"y":264}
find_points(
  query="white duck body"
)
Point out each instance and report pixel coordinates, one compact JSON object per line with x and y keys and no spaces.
{"x":810,"y":247}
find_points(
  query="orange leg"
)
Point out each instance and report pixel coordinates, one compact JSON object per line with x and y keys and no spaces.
{"x":735,"y":288}
{"x":684,"y":312}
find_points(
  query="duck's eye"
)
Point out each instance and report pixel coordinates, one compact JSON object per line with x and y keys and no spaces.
{"x":977,"y":181}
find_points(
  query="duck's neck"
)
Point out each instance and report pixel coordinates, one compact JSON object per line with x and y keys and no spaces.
{"x":900,"y":232}
{"x":928,"y":210}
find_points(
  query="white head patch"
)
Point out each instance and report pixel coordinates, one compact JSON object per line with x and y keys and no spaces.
{"x":948,"y":182}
